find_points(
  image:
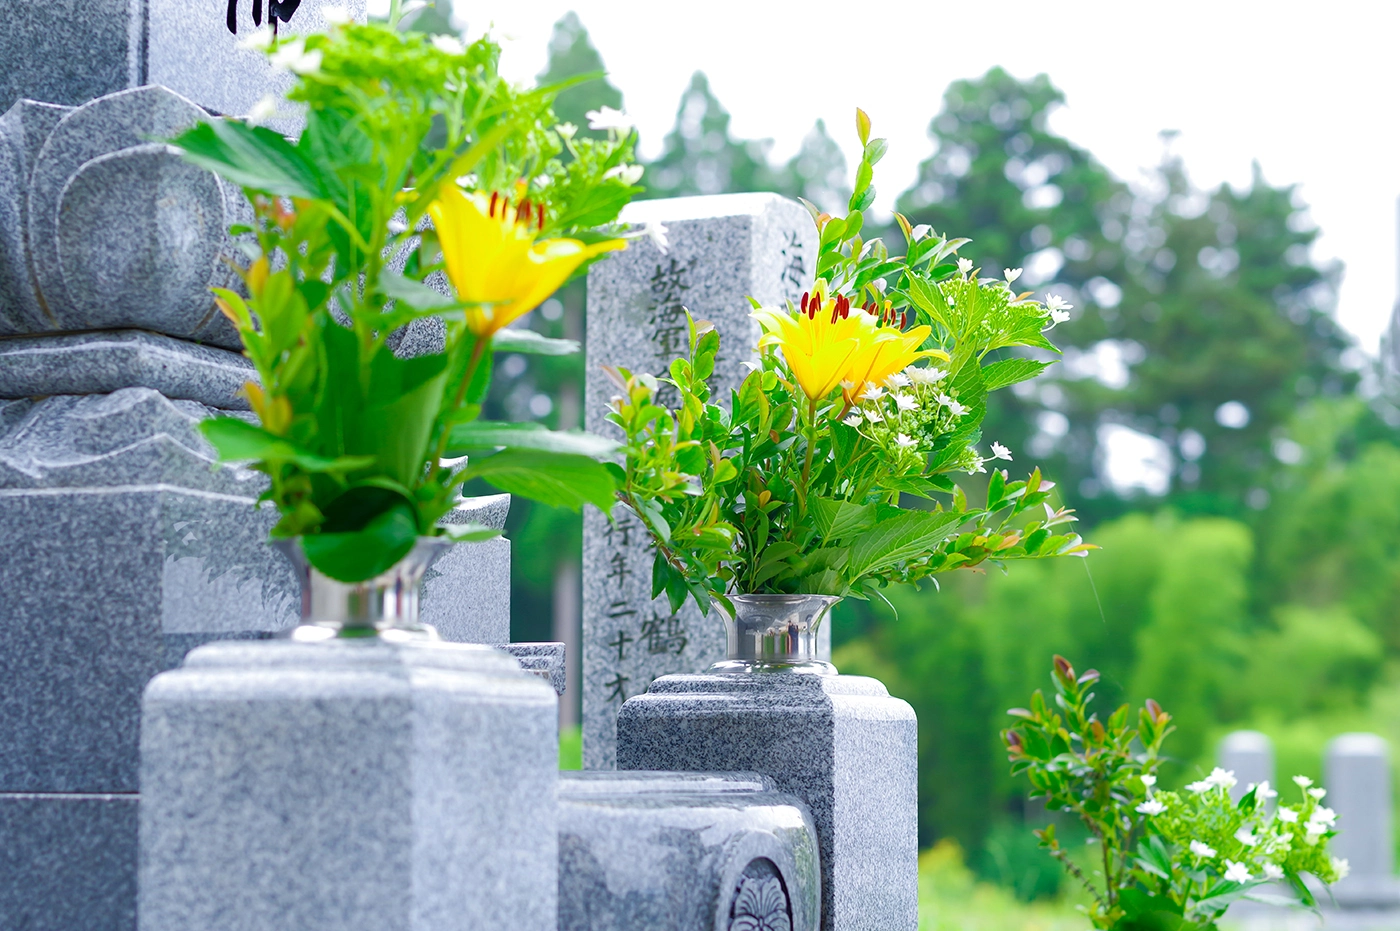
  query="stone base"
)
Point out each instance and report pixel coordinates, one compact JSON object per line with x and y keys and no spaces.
{"x":839,"y":743}
{"x":348,"y":786}
{"x":644,"y":851}
{"x":68,"y":861}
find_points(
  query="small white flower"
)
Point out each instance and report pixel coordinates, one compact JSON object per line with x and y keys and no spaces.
{"x":1057,"y":317}
{"x":1314,"y":830}
{"x":978,"y":466}
{"x":259,"y":40}
{"x":855,"y":420}
{"x":630,"y":174}
{"x":1324,"y":816}
{"x":449,"y":45}
{"x":920,"y":231}
{"x":1000,"y":452}
{"x":1149,"y":780}
{"x":1222,"y":778}
{"x":873,"y":415}
{"x":1054,"y":302}
{"x":1342,"y":867}
{"x":1199,"y":787}
{"x":898,"y":380}
{"x":872,"y":393}
{"x":261,"y":111}
{"x":906,"y":402}
{"x":1202,"y":850}
{"x":1272,"y":870}
{"x":656,"y":232}
{"x":294,"y":57}
{"x":1262,"y":791}
{"x":964,"y":266}
{"x":921,"y":375}
{"x":335,"y":15}
{"x":566,"y":130}
{"x":1246,"y":837}
{"x":1302,"y":782}
{"x":957,"y":409}
{"x":1236,"y":872}
{"x":1151,"y":807}
{"x":904,"y":441}
{"x":1011,"y":274}
{"x":1288,"y":816}
{"x":1318,"y":793}
{"x":608,"y":118}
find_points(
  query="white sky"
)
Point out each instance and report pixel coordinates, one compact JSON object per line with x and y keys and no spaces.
{"x":1310,"y":90}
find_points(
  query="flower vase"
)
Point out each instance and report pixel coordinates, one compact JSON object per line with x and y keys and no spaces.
{"x":775,"y":633}
{"x":385,"y":606}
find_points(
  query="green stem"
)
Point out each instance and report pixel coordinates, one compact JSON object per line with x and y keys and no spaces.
{"x":477,"y":351}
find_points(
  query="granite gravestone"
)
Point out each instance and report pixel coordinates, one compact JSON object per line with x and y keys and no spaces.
{"x":1357,"y":778}
{"x":722,"y":250}
{"x":842,"y":744}
{"x":348,"y":785}
{"x":1250,"y":756}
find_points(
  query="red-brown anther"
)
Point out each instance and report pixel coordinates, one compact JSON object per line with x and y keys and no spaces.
{"x":541,"y":206}
{"x":492,"y":211}
{"x":805,"y":296}
{"x":836,"y":309}
{"x":524,"y":210}
{"x":904,"y":320}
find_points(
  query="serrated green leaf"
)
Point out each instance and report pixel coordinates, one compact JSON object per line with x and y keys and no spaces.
{"x":1011,"y":371}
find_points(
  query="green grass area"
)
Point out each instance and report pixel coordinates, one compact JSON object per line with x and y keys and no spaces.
{"x":571,"y":748}
{"x":952,"y":899}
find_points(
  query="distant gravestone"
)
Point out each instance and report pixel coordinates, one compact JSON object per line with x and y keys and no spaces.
{"x":1250,"y":756}
{"x":1358,"y":790}
{"x":722,"y":250}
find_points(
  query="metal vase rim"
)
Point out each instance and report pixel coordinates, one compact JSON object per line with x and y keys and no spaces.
{"x":385,"y":607}
{"x":775,"y":633}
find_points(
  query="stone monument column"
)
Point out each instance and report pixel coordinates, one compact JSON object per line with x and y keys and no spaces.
{"x":1357,"y":778}
{"x":1250,"y":756}
{"x":722,"y":250}
{"x":349,"y":786}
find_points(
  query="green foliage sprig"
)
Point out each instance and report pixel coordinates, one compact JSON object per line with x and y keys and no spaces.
{"x":1169,"y":861}
{"x":357,"y":442}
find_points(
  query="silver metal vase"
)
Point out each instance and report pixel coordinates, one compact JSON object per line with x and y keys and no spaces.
{"x":775,"y":633}
{"x":385,"y":606}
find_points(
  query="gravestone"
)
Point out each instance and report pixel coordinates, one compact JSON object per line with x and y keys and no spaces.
{"x":1250,"y":756}
{"x":722,"y":250}
{"x":657,"y":851}
{"x":348,"y":786}
{"x":1359,"y":790}
{"x":841,"y":744}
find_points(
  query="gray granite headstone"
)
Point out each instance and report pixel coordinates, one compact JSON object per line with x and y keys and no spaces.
{"x":348,"y":786}
{"x":839,"y":743}
{"x":652,"y":851}
{"x":723,"y":249}
{"x":103,"y":362}
{"x":152,"y":225}
{"x":192,"y":52}
{"x":70,"y":51}
{"x":1357,"y":779}
{"x":23,"y":129}
{"x":1250,"y":756}
{"x":140,"y":232}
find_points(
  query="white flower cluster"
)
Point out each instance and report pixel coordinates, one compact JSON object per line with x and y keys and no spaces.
{"x":1257,"y":847}
{"x":1056,"y":307}
{"x":907,"y":414}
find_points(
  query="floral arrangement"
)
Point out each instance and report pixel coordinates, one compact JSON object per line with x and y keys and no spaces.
{"x":868,"y":393}
{"x":1168,"y":859}
{"x":416,"y":158}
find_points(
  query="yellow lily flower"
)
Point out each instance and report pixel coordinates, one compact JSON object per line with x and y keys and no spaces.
{"x":492,"y":257}
{"x":896,"y":350}
{"x":820,"y":342}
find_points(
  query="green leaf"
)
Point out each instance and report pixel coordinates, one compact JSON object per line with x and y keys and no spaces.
{"x":563,"y":480}
{"x":838,"y":520}
{"x":1010,"y":371}
{"x":359,"y":555}
{"x":414,"y":293}
{"x":238,"y":441}
{"x":528,"y":342}
{"x":252,"y":156}
{"x":906,"y":535}
{"x":490,"y":434}
{"x":469,"y":533}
